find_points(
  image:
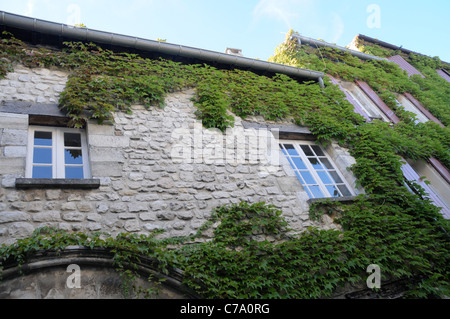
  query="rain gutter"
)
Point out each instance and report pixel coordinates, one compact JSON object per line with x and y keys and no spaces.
{"x":87,"y":35}
{"x":318,"y":43}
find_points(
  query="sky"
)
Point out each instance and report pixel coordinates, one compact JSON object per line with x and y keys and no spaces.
{"x":256,"y":27}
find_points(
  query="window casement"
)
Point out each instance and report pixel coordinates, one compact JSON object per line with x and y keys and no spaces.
{"x":315,"y":170}
{"x":57,"y":153}
{"x":371,"y":111}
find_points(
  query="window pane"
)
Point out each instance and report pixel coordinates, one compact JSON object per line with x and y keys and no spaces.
{"x":336,"y":177}
{"x":282,"y":149}
{"x":308,"y":192}
{"x":42,"y":172}
{"x":307,"y":150}
{"x":72,"y":139}
{"x":308,"y":178}
{"x":324,"y":177}
{"x":315,"y":163}
{"x":318,"y":150}
{"x":327,"y":163}
{"x":300,"y":178}
{"x":73,"y":157}
{"x":42,"y":156}
{"x":74,"y":172}
{"x":43,"y":138}
{"x":299,"y":163}
{"x":333,"y":191}
{"x":316,"y":192}
{"x":344,"y":190}
{"x":290,"y":149}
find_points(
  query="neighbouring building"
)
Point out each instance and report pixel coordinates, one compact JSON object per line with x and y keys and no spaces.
{"x":160,"y":168}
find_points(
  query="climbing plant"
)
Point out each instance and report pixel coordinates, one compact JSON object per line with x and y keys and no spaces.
{"x":254,"y":254}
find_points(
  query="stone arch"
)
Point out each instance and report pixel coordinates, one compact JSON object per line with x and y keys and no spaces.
{"x":46,"y":276}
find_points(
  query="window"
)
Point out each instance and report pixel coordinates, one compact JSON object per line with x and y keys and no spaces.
{"x":370,"y":110}
{"x":55,"y":152}
{"x":315,"y":170}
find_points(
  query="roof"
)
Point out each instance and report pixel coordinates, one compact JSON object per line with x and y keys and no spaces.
{"x":391,"y":46}
{"x":42,"y":32}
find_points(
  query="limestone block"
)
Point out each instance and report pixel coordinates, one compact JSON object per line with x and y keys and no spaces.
{"x":137,"y":207}
{"x":9,"y":180}
{"x":14,"y":137}
{"x":132,"y":226}
{"x":185,"y":215}
{"x":15,"y":151}
{"x":159,"y":205}
{"x":106,"y":169}
{"x":20,"y":230}
{"x":108,"y":141}
{"x":12,"y":165}
{"x":102,"y":208}
{"x":165,"y":215}
{"x":104,"y":154}
{"x":51,"y":216}
{"x":73,"y":217}
{"x":10,"y":217}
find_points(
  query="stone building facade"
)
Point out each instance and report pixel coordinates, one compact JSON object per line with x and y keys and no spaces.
{"x":156,"y":168}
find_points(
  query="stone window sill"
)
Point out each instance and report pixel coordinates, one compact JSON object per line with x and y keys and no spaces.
{"x":332,"y":199}
{"x":27,"y":183}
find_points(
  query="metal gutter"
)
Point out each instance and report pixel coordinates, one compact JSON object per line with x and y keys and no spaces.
{"x":391,"y":46}
{"x":318,"y":43}
{"x":101,"y":37}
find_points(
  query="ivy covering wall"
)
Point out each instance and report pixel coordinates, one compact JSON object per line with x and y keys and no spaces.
{"x":399,"y":230}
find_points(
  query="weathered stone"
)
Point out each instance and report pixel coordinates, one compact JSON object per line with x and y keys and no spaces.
{"x":73,"y":217}
{"x":47,"y":217}
{"x":165,"y":215}
{"x":158,"y":205}
{"x":185,"y":215}
{"x":137,"y":207}
{"x":179,"y":225}
{"x":147,"y":216}
{"x":166,"y":183}
{"x":53,"y":194}
{"x":10,"y":217}
{"x":94,"y":226}
{"x":69,"y":206}
{"x":102,"y":208}
{"x":20,"y":230}
{"x":9,"y":181}
{"x":35,"y":207}
{"x":94,"y":217}
{"x":151,"y":227}
{"x":203,"y":196}
{"x":118,"y":208}
{"x":132,"y":226}
{"x":176,"y":206}
{"x":127,"y":216}
{"x":219,"y":195}
{"x":84,"y":207}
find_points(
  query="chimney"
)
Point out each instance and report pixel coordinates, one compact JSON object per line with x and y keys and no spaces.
{"x":237,"y":52}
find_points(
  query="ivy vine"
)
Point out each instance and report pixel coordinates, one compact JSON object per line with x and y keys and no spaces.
{"x":253,"y":253}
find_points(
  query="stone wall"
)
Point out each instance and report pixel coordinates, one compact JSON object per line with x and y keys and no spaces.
{"x":159,"y":169}
{"x":37,"y":85}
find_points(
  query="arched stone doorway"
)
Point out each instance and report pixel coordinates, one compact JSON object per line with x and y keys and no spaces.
{"x":50,"y":275}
